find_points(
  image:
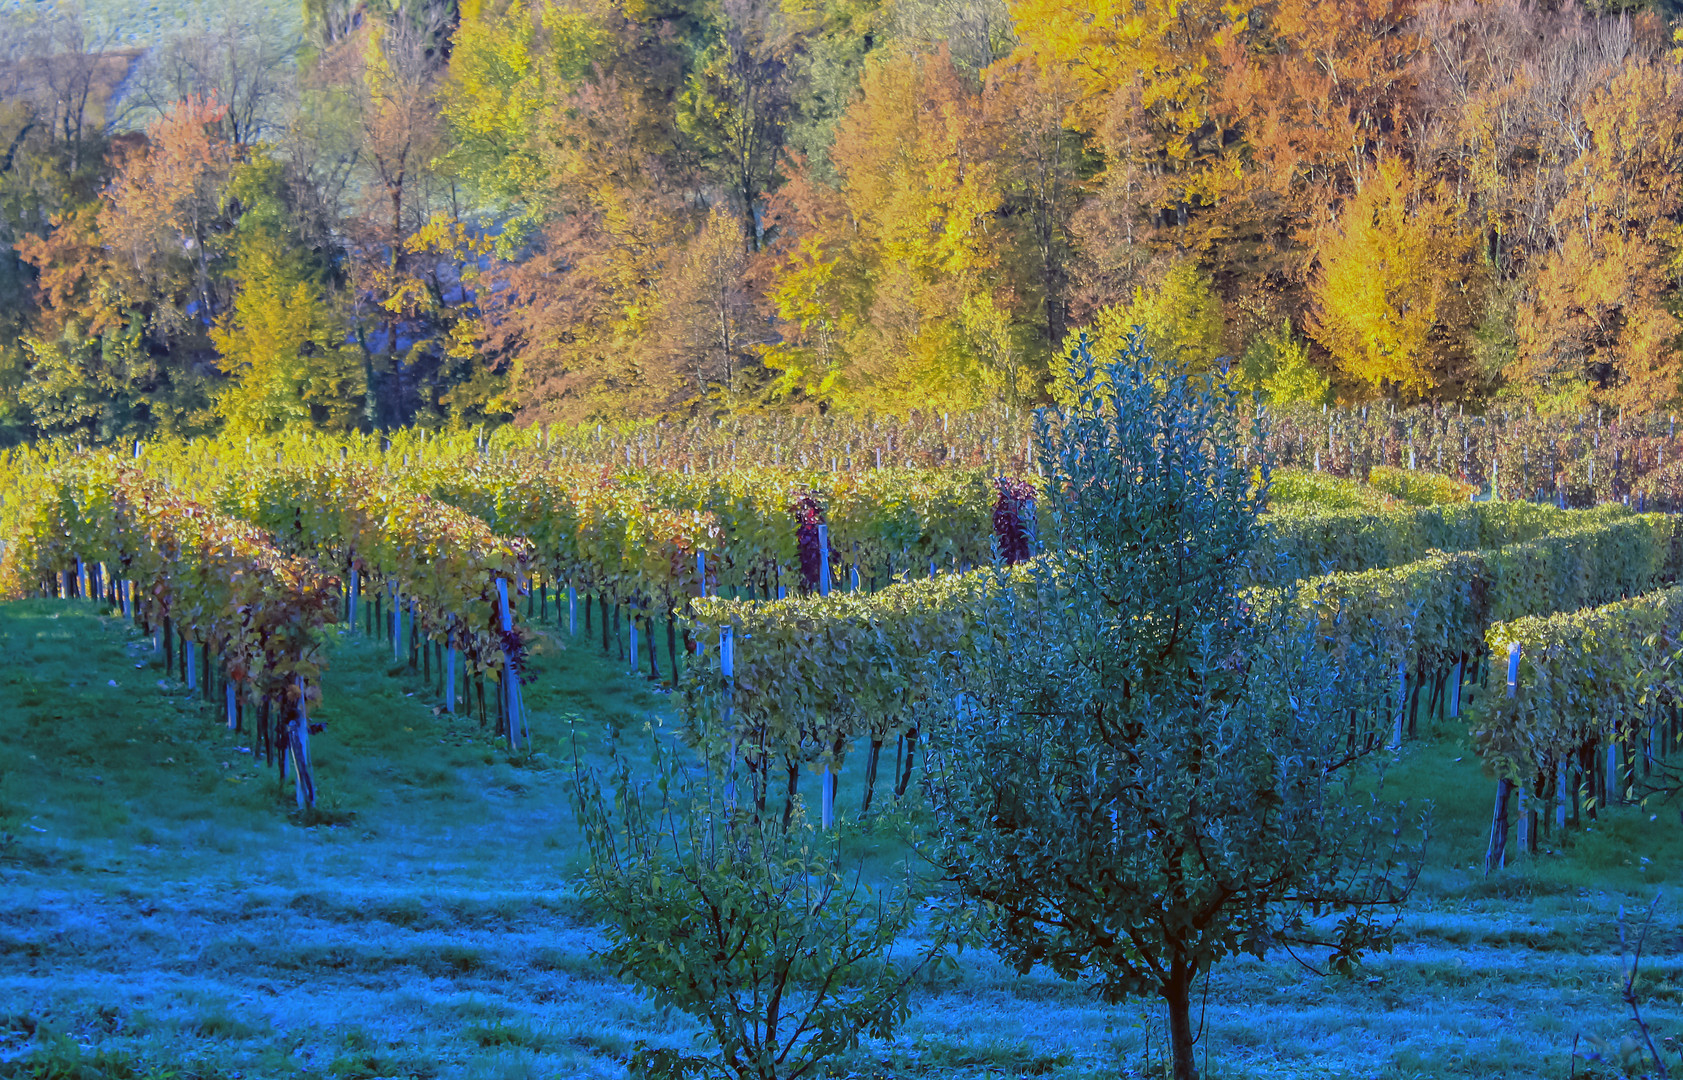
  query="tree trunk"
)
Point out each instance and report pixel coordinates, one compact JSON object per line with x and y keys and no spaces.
{"x":497,"y":686}
{"x":870,"y":775}
{"x":1496,"y":856}
{"x":1177,"y":995}
{"x":298,"y":741}
{"x":789,"y":803}
{"x":905,"y":776}
{"x":264,"y":735}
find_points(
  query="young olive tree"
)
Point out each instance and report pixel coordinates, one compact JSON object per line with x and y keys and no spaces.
{"x":753,"y":928}
{"x":1153,"y":768}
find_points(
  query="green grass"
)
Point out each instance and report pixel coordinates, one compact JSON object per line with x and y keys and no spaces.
{"x":163,"y":914}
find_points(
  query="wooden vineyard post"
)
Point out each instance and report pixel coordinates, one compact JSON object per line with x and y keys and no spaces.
{"x":356,"y":588}
{"x":701,"y":591}
{"x":1527,"y":819}
{"x":516,"y":710}
{"x":190,"y":669}
{"x":631,"y":620}
{"x":1615,"y":790}
{"x":654,"y":651}
{"x":233,"y":711}
{"x":1455,"y":686}
{"x":572,"y":611}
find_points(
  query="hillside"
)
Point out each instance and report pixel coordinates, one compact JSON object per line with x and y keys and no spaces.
{"x":160,"y":910}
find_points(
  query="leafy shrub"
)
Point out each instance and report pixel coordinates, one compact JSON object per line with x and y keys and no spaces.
{"x":752,"y":927}
{"x":1417,"y":487}
{"x":1301,"y":489}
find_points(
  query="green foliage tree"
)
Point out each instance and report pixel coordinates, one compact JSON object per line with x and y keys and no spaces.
{"x":1276,"y":362}
{"x":1161,"y":770}
{"x":756,"y":930}
{"x":1179,"y":321}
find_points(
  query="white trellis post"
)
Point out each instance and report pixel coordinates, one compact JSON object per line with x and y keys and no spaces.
{"x":1562,"y":775}
{"x":192,"y":666}
{"x":828,"y":796}
{"x":701,"y":588}
{"x":1524,"y":815}
{"x":727,"y":668}
{"x":450,"y":667}
{"x":823,"y":560}
{"x":397,"y":623}
{"x":1402,"y":704}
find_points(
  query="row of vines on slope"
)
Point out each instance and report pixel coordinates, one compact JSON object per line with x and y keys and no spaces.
{"x":797,"y":682}
{"x":1590,"y":713}
{"x":442,"y":567}
{"x":1574,"y":460}
{"x":219,"y":582}
{"x":1578,"y":459}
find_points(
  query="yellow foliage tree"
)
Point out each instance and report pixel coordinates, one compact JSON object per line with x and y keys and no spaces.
{"x":1601,"y":320}
{"x":283,"y":348}
{"x":1391,"y":291}
{"x":891,"y":258}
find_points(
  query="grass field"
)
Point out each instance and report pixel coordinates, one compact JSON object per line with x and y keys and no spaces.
{"x":147,"y":22}
{"x":161,"y":914}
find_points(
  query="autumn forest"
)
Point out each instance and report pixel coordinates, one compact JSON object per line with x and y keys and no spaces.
{"x":363,"y":215}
